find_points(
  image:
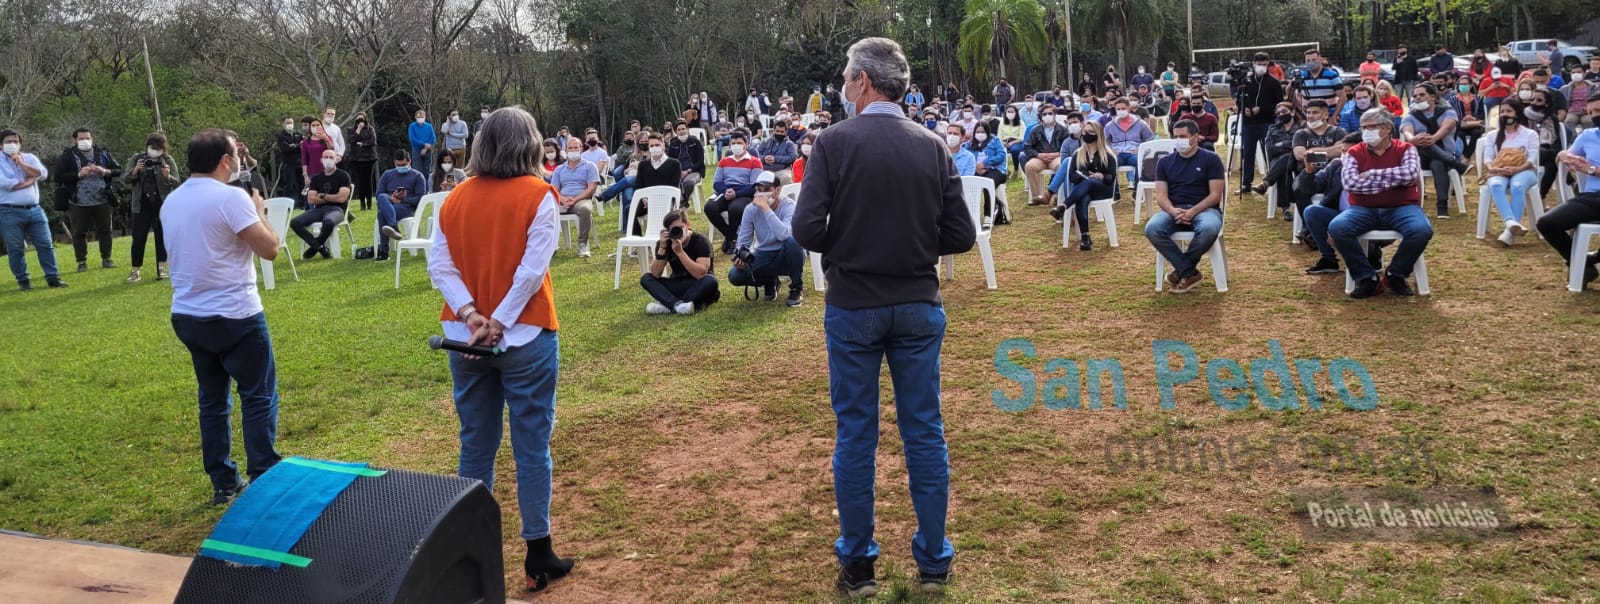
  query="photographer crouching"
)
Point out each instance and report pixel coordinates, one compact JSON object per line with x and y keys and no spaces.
{"x":691,"y":285}
{"x":767,"y":220}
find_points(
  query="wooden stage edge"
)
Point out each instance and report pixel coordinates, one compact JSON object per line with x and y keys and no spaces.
{"x":36,"y":570}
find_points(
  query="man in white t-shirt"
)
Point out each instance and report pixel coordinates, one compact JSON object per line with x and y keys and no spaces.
{"x":212,"y":232}
{"x":335,"y":134}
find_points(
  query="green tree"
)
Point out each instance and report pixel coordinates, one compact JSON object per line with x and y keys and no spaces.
{"x":1001,"y":34}
{"x":1124,"y":24}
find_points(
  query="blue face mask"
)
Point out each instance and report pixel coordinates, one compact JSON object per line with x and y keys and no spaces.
{"x":930,"y":123}
{"x":402,"y":169}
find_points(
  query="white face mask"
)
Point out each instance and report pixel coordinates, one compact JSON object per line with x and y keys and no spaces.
{"x":1122,"y":114}
{"x":657,"y":151}
{"x":736,"y":149}
{"x":288,"y":127}
{"x":981,"y":136}
{"x":1532,"y":113}
{"x":1074,"y":129}
{"x":421,"y":120}
{"x":1314,"y":125}
{"x":328,"y":164}
{"x":1048,"y":120}
{"x":1421,"y":105}
{"x":483,"y":116}
{"x":152,"y":152}
{"x":454,"y":117}
{"x":12,"y":148}
{"x":85,"y":145}
{"x":952,"y":140}
{"x":1182,"y":145}
{"x":1526,"y":95}
{"x":1261,"y":70}
{"x":683,"y":137}
{"x":1371,"y":136}
{"x":447,"y":167}
{"x":573,"y":157}
{"x":806,"y":149}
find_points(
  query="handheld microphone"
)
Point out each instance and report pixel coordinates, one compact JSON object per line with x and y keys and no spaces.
{"x":441,"y":343}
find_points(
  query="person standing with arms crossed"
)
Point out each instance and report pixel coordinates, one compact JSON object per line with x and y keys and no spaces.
{"x":893,"y":187}
{"x":213,"y":229}
{"x":490,"y":259}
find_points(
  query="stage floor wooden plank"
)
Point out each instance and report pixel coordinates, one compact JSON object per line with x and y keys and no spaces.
{"x":42,"y":571}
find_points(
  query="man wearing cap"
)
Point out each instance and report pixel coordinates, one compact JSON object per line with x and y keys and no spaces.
{"x":1381,"y":175}
{"x":765,"y":232}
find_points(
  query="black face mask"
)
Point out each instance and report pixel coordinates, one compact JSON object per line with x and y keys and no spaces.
{"x":1507,"y":121}
{"x":1283,"y":118}
{"x":779,"y":136}
{"x":1197,"y":109}
{"x":1090,"y":137}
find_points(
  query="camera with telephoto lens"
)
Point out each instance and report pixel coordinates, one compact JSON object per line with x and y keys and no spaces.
{"x":152,"y":163}
{"x":745,"y":256}
{"x":1241,"y":72}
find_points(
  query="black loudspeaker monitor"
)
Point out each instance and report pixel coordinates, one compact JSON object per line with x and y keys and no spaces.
{"x":402,"y":537}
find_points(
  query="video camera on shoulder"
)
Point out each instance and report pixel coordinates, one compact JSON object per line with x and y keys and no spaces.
{"x":1240,"y":72}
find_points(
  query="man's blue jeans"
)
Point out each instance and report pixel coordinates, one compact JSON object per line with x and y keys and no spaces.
{"x":239,"y":350}
{"x":1317,"y":218}
{"x":1408,"y":220}
{"x":522,"y":380}
{"x":769,"y":265}
{"x":389,"y":215}
{"x":1206,"y":226}
{"x":1130,"y":160}
{"x":28,"y":225}
{"x":910,"y":336}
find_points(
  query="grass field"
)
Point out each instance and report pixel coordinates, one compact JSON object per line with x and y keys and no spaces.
{"x":693,"y":453}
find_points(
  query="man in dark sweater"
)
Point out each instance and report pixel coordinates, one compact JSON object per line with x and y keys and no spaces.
{"x":893,"y":188}
{"x":1258,"y":101}
{"x":691,"y":156}
{"x":658,"y":171}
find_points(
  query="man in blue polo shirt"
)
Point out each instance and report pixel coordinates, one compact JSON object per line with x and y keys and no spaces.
{"x":575,"y":183}
{"x":1317,"y":81}
{"x":1583,"y":161}
{"x":1189,"y":191}
{"x":20,"y":214}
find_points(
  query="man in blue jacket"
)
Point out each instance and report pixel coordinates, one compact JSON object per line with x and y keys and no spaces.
{"x":422,"y":139}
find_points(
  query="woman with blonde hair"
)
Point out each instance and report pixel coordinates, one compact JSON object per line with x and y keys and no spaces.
{"x":490,"y":259}
{"x":1092,"y":172}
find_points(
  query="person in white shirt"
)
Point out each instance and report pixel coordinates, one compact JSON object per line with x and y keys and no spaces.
{"x":21,"y":219}
{"x":213,"y":231}
{"x":595,"y":152}
{"x":455,"y":133}
{"x":331,"y":126}
{"x":1509,"y":186}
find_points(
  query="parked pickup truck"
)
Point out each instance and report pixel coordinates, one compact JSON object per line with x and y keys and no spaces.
{"x":1532,"y":53}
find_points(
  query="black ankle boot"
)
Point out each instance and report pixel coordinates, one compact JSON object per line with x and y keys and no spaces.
{"x":542,"y":566}
{"x":1085,"y":244}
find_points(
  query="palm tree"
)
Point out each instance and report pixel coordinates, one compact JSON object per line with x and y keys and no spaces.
{"x":1126,"y":22}
{"x":1001,"y":34}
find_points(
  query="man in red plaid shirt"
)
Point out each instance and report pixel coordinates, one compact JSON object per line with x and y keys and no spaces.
{"x":1382,"y":176}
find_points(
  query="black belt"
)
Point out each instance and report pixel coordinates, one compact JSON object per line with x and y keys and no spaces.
{"x":14,"y":205}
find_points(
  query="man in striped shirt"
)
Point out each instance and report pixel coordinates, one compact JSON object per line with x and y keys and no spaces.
{"x":732,"y":189}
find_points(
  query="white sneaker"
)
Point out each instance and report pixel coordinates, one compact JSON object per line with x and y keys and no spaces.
{"x":1516,"y":228}
{"x":684,"y":308}
{"x":1506,"y":237}
{"x":583,"y":250}
{"x":655,"y":308}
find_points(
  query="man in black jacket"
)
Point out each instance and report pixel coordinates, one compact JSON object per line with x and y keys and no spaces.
{"x":691,"y":156}
{"x":881,"y":203}
{"x":1259,"y":96}
{"x":1405,"y":69}
{"x":288,"y":141}
{"x":1042,"y":151}
{"x":86,"y":177}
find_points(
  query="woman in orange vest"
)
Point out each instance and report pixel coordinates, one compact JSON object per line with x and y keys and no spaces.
{"x":491,"y":259}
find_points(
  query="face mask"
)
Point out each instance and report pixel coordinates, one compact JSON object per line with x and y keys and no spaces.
{"x":981,"y":136}
{"x":327,"y":164}
{"x":573,"y":158}
{"x":446,"y":167}
{"x":1525,"y":95}
{"x":1371,"y":136}
{"x":952,"y":139}
{"x":152,"y":152}
{"x":85,"y":145}
{"x":402,"y":169}
{"x":1532,"y":113}
{"x":484,"y":115}
{"x":11,"y":148}
{"x":1122,"y":114}
{"x":1283,"y":118}
{"x":421,"y":120}
{"x":1011,"y":115}
{"x":805,"y":150}
{"x":1074,"y":129}
{"x":1261,"y":70}
{"x":849,"y":105}
{"x":1183,"y":145}
{"x":736,"y":149}
{"x":779,"y":136}
{"x":1314,"y":125}
{"x":683,"y":137}
{"x":1048,"y":120}
{"x":930,"y":124}
{"x":1420,"y":105}
{"x":1363,"y":104}
{"x":1197,"y":109}
{"x":288,"y":127}
{"x":1507,"y":121}
{"x":454,"y":117}
{"x":1464,"y":88}
{"x":1091,"y":137}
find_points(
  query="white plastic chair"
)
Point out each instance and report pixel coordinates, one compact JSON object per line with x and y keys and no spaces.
{"x":792,"y":191}
{"x":413,"y":237}
{"x":1580,"y":251}
{"x":278,"y":209}
{"x":699,"y":133}
{"x":1485,"y":200}
{"x":972,"y":190}
{"x":658,"y":202}
{"x":1104,"y":208}
{"x":1564,"y":190}
{"x":1458,"y":188}
{"x":1219,"y":259}
{"x":1146,"y":189}
{"x":1420,"y":269}
{"x":334,"y":245}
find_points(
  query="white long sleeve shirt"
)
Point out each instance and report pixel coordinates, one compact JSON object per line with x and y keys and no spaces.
{"x":541,"y":247}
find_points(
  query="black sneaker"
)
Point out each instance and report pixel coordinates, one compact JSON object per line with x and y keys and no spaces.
{"x":1375,"y":256}
{"x":28,"y":287}
{"x":57,"y":283}
{"x":1366,"y":288}
{"x":222,"y":496}
{"x":795,"y":298}
{"x":855,"y":579}
{"x":310,"y":253}
{"x":932,"y":583}
{"x":769,"y":293}
{"x":83,"y":267}
{"x":1398,"y":286}
{"x":1244,"y":190}
{"x":1306,"y":240}
{"x":1085,"y":244}
{"x":325,"y":253}
{"x":381,"y":257}
{"x":1324,"y":266}
{"x":1058,"y":212}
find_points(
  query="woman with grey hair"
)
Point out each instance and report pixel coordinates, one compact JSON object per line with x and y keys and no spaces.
{"x":490,"y":259}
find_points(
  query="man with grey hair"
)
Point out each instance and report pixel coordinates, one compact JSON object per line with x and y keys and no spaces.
{"x":893,"y":187}
{"x":1382,"y":176}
